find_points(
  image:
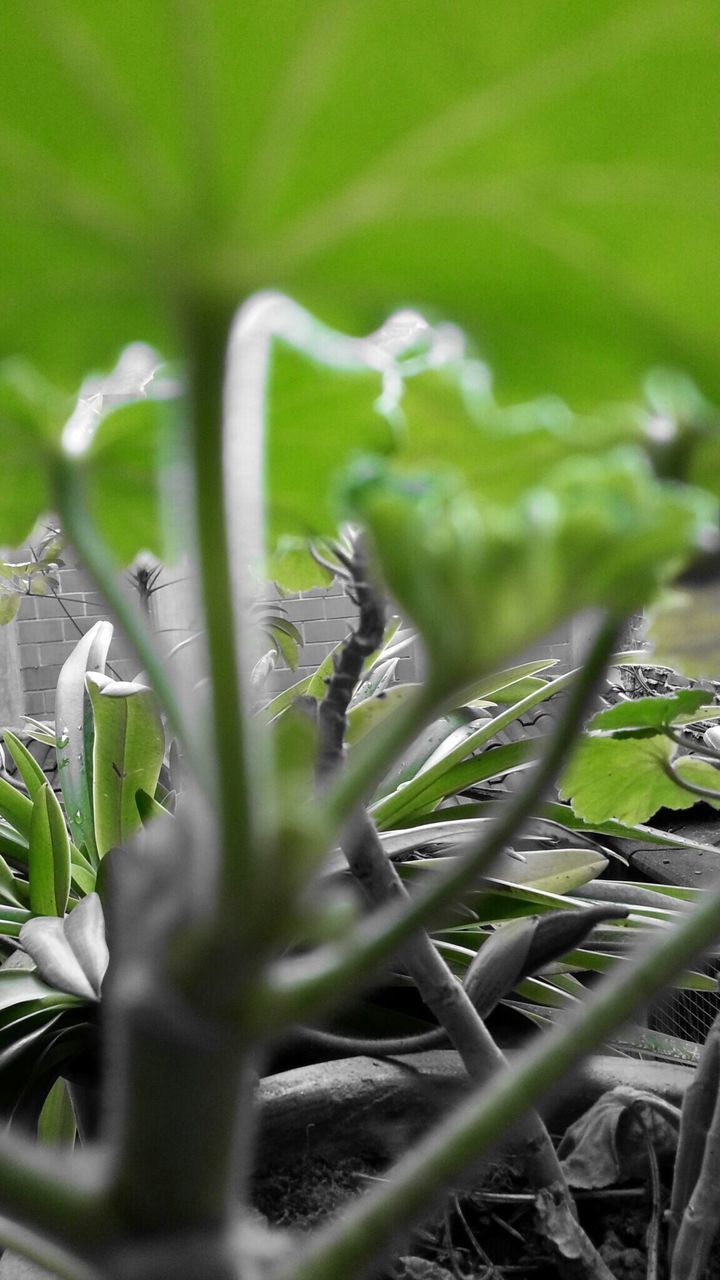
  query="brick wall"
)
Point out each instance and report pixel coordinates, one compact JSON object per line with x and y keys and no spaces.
{"x":49,"y":627}
{"x":323,"y":617}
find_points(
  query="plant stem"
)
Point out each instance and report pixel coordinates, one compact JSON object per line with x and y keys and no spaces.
{"x":693,"y":788}
{"x":441,"y":991}
{"x":206,"y":332}
{"x":367,"y":1229}
{"x":300,"y":987}
{"x":72,"y":508}
{"x":698,"y":1118}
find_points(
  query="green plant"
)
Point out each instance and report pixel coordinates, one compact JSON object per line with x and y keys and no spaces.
{"x":489,"y":185}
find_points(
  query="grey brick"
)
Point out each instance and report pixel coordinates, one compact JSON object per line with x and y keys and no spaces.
{"x":340,"y":607}
{"x":329,"y":629}
{"x":300,"y":610}
{"x":41,"y":677}
{"x":74,"y":580}
{"x":27,"y":609}
{"x":35,"y":704}
{"x":47,"y":607}
{"x":314,"y":593}
{"x":28,"y":656}
{"x":42,"y":631}
{"x":313,"y":654}
{"x":74,"y":605}
{"x":57,"y":651}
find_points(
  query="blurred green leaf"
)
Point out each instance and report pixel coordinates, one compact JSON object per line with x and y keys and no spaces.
{"x":525,"y":176}
{"x":599,"y":532}
{"x":130,"y":449}
{"x":684,"y":630}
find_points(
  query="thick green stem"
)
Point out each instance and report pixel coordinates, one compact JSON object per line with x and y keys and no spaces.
{"x":206,"y":334}
{"x":302,"y":987}
{"x":366,"y":1230}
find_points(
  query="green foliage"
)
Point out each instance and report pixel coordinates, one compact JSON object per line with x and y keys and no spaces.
{"x":683,"y":630}
{"x":447,"y":559}
{"x":537,"y":186}
{"x":650,"y":715}
{"x":128,"y":748}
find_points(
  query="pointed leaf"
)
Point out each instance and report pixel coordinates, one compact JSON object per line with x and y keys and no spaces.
{"x":26,"y":765}
{"x":127,"y":755}
{"x":15,"y":807}
{"x":48,"y":856}
{"x":74,"y":732}
{"x":56,"y":1125}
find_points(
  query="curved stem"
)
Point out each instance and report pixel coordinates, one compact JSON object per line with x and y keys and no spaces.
{"x":80,"y":529}
{"x":303,"y":986}
{"x":694,"y":789}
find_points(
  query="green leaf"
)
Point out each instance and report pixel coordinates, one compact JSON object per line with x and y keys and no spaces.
{"x":9,"y":605}
{"x":600,"y":532}
{"x":283,"y":700}
{"x":131,"y":448}
{"x":31,"y":415}
{"x":559,"y":870}
{"x":74,"y":732}
{"x":149,"y":808}
{"x":56,"y":1125}
{"x":655,"y":714}
{"x":492,"y":763}
{"x":371,"y":712}
{"x":526,"y":176}
{"x":15,"y":807}
{"x":334,"y":415}
{"x":127,"y":755}
{"x":13,"y":890}
{"x":26,"y":765}
{"x":49,"y":855}
{"x":624,"y":778}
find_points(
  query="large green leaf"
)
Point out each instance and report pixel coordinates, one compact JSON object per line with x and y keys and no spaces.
{"x":128,"y":750}
{"x":515,"y":166}
{"x":74,"y":732}
{"x":626,"y":778}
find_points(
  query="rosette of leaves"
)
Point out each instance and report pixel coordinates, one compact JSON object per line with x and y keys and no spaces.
{"x":110,"y":743}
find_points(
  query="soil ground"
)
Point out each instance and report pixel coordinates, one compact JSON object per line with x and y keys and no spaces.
{"x":486,"y":1233}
